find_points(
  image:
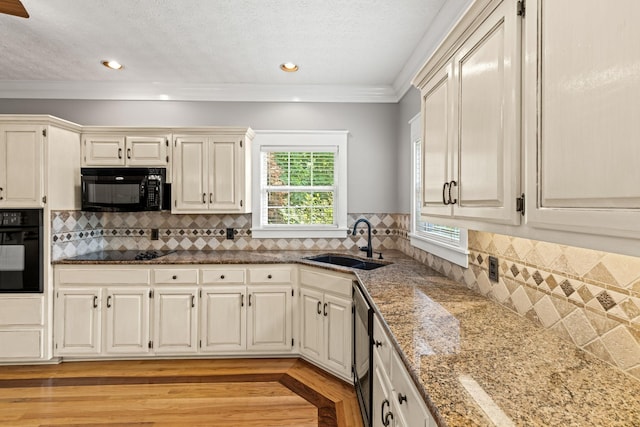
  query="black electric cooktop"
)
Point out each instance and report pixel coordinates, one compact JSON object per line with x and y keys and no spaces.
{"x":122,"y":255}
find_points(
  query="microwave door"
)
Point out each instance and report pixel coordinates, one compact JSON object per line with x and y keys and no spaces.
{"x":117,"y":193}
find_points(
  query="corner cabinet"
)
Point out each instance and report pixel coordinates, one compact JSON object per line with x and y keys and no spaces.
{"x":581,"y":118}
{"x":212,"y":172}
{"x":470,"y":93}
{"x":326,"y":321}
{"x":21,"y":165}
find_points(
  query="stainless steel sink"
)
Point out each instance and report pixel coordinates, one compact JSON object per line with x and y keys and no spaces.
{"x":347,"y":261}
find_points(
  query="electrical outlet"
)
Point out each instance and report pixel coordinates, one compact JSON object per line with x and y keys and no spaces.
{"x":155,"y":234}
{"x":493,"y":269}
{"x":230,"y":233}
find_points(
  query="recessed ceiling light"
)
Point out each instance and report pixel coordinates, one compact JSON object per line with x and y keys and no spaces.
{"x":289,"y":67}
{"x":114,"y":65}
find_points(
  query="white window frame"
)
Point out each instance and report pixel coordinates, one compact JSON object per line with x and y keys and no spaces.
{"x":455,"y":252}
{"x":302,"y":140}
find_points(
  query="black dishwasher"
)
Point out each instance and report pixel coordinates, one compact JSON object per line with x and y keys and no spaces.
{"x":362,"y":351}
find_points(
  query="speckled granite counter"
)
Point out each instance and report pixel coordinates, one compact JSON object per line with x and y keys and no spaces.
{"x":449,"y":336}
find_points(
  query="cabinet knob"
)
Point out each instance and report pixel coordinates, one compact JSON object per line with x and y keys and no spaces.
{"x":269,"y":276}
{"x":377,"y":344}
{"x":402,"y":398}
{"x":175,"y":277}
{"x":222,"y":276}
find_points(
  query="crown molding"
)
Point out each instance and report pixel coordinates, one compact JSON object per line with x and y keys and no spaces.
{"x":145,"y":91}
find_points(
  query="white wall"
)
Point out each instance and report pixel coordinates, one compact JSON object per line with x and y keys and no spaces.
{"x":373,"y":161}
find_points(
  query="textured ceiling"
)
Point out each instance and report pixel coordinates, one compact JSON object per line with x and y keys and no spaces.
{"x":208,"y":47}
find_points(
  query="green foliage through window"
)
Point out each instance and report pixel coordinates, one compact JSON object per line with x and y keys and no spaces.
{"x":300,"y":187}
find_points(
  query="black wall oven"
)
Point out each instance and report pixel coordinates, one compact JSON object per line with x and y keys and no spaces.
{"x":21,"y":251}
{"x":362,"y":352}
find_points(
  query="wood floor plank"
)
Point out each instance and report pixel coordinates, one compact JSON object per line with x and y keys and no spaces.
{"x":231,"y":392}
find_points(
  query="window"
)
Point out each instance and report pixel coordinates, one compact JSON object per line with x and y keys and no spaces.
{"x":446,"y":242}
{"x":299,"y":186}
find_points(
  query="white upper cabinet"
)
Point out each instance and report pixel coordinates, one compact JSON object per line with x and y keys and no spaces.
{"x":471,"y":118}
{"x":118,"y":149}
{"x":582,"y":86}
{"x":212,"y":173}
{"x":21,"y":165}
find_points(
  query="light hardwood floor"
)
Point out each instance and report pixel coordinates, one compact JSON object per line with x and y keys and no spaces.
{"x":226,"y":392}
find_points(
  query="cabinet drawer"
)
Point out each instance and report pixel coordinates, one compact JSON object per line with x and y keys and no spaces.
{"x":413,"y":409}
{"x":21,"y":344}
{"x":223,"y":276}
{"x":175,"y":276}
{"x":381,"y":344}
{"x":326,"y":281}
{"x":100,"y":276}
{"x":270,"y":275}
{"x":21,"y":311}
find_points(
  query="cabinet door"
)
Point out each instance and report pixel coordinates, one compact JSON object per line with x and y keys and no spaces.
{"x":269,"y":318}
{"x":127,"y":320}
{"x":338,"y":326}
{"x":191,"y":174}
{"x":103,"y":150}
{"x":311,"y":324}
{"x":381,"y":404}
{"x":487,"y":131}
{"x":78,"y":321}
{"x":223,"y":318}
{"x":147,"y":150}
{"x":437,"y":140}
{"x":581,"y":122}
{"x":175,"y":320}
{"x":226,"y":176}
{"x":21,"y":148}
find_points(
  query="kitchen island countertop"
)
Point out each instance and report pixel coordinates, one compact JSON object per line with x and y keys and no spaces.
{"x":456,"y":343}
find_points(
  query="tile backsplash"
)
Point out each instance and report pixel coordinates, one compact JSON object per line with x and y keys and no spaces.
{"x":76,"y":233}
{"x":587,"y":297}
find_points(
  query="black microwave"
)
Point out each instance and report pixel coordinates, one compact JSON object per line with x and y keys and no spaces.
{"x":124,"y":189}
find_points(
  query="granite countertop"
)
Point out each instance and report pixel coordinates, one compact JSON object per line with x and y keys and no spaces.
{"x":461,"y":347}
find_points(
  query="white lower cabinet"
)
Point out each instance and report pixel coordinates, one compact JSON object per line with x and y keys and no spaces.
{"x":396,"y":400}
{"x":21,"y":327}
{"x":223,"y":318}
{"x":92,"y":320}
{"x":326,"y":321}
{"x":175,"y":319}
{"x":269,"y":318}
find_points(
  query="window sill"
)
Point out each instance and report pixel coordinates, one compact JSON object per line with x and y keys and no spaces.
{"x":454,"y":254}
{"x":299,"y":233}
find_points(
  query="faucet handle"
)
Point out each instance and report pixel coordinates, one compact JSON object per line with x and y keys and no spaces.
{"x":379,"y":254}
{"x":364,"y":248}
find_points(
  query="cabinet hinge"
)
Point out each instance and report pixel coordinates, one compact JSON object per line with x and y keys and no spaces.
{"x":150,"y":344}
{"x":521,"y":8}
{"x":44,"y":132}
{"x":44,"y":199}
{"x":520,"y":204}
